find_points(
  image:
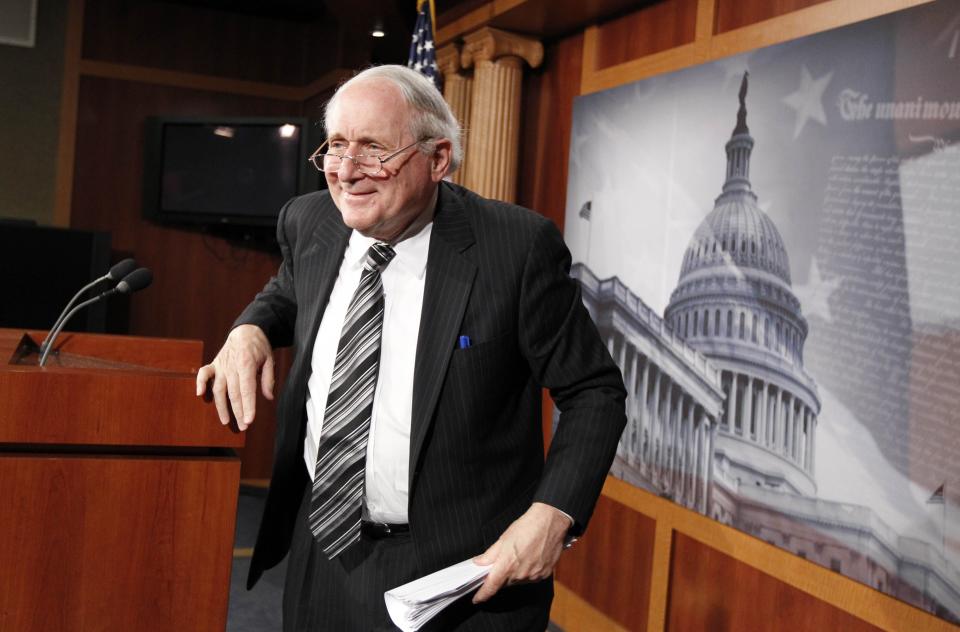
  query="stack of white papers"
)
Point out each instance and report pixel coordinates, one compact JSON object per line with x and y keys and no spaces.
{"x":412,"y":605}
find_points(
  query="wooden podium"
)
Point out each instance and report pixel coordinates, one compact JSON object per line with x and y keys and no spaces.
{"x":118,"y":488}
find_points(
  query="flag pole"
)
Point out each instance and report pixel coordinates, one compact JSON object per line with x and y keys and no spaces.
{"x":943,"y":529}
{"x":589,"y":233}
{"x":586,"y":213}
{"x":939,"y":496}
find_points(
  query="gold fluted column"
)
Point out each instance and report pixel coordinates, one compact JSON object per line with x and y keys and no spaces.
{"x":492,"y":153}
{"x":457,"y":88}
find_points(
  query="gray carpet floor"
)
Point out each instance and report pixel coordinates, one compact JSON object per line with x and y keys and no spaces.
{"x":257,"y":610}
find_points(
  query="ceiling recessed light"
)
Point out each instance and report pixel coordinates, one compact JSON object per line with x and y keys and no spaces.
{"x":377,"y":33}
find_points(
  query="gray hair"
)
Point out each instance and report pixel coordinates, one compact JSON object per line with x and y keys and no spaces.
{"x":433,"y":117}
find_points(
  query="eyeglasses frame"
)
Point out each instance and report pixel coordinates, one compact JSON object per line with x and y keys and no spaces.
{"x":382,"y":159}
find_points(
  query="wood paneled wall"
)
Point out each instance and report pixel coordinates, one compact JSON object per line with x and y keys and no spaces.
{"x":131,"y":60}
{"x":658,"y":27}
{"x":201,"y":281}
{"x":172,"y":36}
{"x":743,"y":598}
{"x":547,"y":113}
{"x":645,"y":563}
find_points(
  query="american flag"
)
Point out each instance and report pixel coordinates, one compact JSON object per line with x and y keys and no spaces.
{"x":586,"y":210}
{"x":937,"y":497}
{"x":423,"y":53}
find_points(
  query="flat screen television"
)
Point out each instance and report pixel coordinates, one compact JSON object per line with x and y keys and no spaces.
{"x":225,"y":170}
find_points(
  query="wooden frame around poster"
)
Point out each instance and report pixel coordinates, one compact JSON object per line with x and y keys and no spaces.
{"x":862,"y":601}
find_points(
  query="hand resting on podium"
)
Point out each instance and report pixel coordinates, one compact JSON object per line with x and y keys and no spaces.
{"x":234,"y":371}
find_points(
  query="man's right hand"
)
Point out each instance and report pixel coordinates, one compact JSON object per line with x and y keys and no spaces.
{"x":244,"y":355}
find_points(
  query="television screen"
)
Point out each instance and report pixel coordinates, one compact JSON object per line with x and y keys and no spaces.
{"x":226,"y":170}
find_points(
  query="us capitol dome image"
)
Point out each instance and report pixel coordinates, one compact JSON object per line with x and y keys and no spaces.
{"x":734,"y":304}
{"x":722,"y":416}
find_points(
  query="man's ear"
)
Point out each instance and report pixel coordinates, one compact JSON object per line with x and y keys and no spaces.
{"x":440,"y":159}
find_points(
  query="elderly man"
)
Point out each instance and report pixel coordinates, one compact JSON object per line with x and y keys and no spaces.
{"x":425,"y":320}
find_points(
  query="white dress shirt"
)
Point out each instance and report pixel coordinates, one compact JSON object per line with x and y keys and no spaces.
{"x":388,"y":446}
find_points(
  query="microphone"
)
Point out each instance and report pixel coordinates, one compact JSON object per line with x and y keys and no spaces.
{"x":132,"y":282}
{"x":118,"y":271}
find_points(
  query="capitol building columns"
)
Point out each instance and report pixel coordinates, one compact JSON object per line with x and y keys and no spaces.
{"x":674,"y":397}
{"x":731,"y":402}
{"x":761,"y":412}
{"x":629,"y":437}
{"x":796,"y":451}
{"x":789,"y":427}
{"x":640,"y":403}
{"x":776,"y":408}
{"x":686,"y":443}
{"x":654,"y":439}
{"x":808,"y":452}
{"x":764,"y":436}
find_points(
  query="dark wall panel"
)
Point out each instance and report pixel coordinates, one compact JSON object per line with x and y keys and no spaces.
{"x":710,"y":590}
{"x":658,"y":27}
{"x":171,"y":36}
{"x":611,"y":567}
{"x":547,"y":115}
{"x":733,"y":14}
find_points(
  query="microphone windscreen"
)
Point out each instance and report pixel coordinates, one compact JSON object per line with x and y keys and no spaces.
{"x":121,"y":269}
{"x":136,"y":280}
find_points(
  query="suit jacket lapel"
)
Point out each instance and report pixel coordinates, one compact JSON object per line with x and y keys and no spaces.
{"x":448,"y":283}
{"x":322,"y":261}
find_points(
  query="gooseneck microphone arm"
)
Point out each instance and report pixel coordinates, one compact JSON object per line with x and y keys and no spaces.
{"x":118,"y":271}
{"x":136,"y":280}
{"x":52,"y":336}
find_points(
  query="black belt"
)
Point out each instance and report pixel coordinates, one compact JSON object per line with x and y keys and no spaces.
{"x":377,"y":530}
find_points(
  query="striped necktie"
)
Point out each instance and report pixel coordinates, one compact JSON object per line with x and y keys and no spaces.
{"x":338,"y":477}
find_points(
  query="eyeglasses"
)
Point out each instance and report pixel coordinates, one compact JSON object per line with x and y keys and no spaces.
{"x":367,"y":164}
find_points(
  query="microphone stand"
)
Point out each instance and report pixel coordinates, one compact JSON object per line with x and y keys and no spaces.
{"x":63,"y":315}
{"x":47,"y":345}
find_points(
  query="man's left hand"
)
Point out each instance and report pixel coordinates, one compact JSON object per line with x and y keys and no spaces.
{"x":526,"y":552}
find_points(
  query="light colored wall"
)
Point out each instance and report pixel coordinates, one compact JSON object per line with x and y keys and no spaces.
{"x":30,"y":81}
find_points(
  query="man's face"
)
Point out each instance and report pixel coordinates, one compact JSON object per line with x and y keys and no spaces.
{"x":374,"y":118}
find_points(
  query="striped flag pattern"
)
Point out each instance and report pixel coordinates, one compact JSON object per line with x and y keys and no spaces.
{"x":423,"y":54}
{"x":339,"y":474}
{"x":586,"y":211}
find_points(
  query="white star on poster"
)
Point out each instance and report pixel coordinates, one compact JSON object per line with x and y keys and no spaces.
{"x":815,"y":294}
{"x":808,"y":100}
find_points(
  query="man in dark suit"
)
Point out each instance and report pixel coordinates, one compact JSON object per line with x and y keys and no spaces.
{"x":472,"y":312}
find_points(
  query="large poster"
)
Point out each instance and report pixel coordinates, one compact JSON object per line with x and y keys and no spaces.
{"x":769,"y":245}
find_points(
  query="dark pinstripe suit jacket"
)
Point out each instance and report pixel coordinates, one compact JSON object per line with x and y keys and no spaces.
{"x":499,"y":274}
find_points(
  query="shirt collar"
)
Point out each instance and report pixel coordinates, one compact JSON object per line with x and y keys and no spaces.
{"x":411,"y":254}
